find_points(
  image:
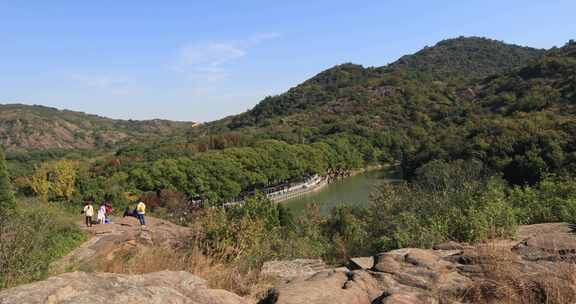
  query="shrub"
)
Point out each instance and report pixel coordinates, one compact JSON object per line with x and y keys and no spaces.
{"x":552,"y":200}
{"x":35,"y":235}
{"x":447,"y":201}
{"x":254,"y":232}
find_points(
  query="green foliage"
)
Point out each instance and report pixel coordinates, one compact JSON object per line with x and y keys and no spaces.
{"x":447,"y":201}
{"x":254,"y":232}
{"x":7,"y":201}
{"x":218,"y":176}
{"x":33,"y":237}
{"x":465,"y":59}
{"x":552,"y":200}
{"x":347,"y":232}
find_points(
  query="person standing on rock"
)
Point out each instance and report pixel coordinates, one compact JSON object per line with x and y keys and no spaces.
{"x":140,"y":212}
{"x":109,"y":211}
{"x":88,"y":213}
{"x":101,"y":214}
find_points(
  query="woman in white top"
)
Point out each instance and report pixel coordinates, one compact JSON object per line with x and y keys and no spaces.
{"x":101,"y":214}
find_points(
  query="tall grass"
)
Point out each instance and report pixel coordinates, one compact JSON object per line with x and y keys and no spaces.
{"x":217,"y":272}
{"x":506,"y":280}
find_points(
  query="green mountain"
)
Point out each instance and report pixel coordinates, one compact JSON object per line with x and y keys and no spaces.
{"x":466,"y":59}
{"x":509,"y":106}
{"x":520,"y":123}
{"x":516,"y":116}
{"x":24,"y":127}
{"x":350,"y":95}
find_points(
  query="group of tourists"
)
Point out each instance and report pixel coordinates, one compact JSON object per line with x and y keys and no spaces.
{"x":105,"y":210}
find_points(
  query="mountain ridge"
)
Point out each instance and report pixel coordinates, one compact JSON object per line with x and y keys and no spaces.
{"x":34,"y":127}
{"x":346,"y":95}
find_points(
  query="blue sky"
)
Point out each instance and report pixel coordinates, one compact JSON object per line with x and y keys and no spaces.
{"x":203,"y":60}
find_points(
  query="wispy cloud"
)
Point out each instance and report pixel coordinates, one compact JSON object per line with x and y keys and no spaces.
{"x":207,"y":61}
{"x":114,"y":84}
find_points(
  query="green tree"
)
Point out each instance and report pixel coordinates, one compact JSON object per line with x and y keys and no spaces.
{"x":7,"y":201}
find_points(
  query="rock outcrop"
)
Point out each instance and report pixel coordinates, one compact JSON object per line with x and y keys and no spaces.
{"x":541,"y":260}
{"x":123,"y":237}
{"x":538,"y":266}
{"x":289,"y":270}
{"x":334,"y":287}
{"x":95,"y":288}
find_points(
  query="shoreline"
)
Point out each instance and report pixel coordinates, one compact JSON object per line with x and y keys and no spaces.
{"x":327,"y":181}
{"x":321,"y":184}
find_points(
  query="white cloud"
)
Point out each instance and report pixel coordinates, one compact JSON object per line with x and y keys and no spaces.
{"x":211,"y":54}
{"x":101,"y":81}
{"x":114,"y":84}
{"x":206,"y":62}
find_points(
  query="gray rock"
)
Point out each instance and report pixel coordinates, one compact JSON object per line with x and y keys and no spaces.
{"x":409,"y":298}
{"x":95,"y":288}
{"x":332,"y":287}
{"x":289,"y":270}
{"x":361,"y":263}
{"x":548,"y":246}
{"x":450,"y":245}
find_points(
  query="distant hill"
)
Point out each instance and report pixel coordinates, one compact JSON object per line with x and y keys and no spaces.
{"x":384,"y":96}
{"x":25,"y":127}
{"x":466,"y":58}
{"x":509,"y":106}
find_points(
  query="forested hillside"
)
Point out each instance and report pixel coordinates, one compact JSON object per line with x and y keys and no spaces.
{"x":519,"y":123}
{"x":24,"y":127}
{"x":466,"y":98}
{"x":465,"y":59}
{"x":380,"y":97}
{"x":485,"y":134}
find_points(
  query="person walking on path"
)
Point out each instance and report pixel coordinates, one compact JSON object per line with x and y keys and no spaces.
{"x":88,"y":213}
{"x":140,"y":212}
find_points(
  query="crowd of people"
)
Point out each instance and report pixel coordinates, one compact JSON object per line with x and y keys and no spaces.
{"x":103,"y":215}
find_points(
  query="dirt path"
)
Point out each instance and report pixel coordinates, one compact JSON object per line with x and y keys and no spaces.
{"x":121,"y":237}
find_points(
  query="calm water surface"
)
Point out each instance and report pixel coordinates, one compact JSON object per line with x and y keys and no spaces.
{"x":352,"y":190}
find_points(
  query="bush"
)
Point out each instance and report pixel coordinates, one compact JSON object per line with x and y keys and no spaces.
{"x":552,"y":200}
{"x":254,"y":232}
{"x":35,"y":235}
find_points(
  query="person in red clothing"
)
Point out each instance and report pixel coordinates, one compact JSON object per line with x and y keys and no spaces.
{"x":109,"y":210}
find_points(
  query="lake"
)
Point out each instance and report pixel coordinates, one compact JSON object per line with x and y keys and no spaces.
{"x":351,"y":190}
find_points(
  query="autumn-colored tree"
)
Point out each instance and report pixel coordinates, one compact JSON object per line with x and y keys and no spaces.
{"x":56,"y":179}
{"x":63,"y":184}
{"x":39,"y":182}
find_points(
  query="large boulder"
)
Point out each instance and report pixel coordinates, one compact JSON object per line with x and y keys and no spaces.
{"x":412,"y":271}
{"x":176,"y":287}
{"x":549,"y":246}
{"x":361,"y":263}
{"x":122,"y":238}
{"x":334,"y":287}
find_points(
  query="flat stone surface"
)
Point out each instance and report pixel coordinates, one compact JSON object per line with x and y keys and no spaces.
{"x":288,"y":270}
{"x":328,"y":287}
{"x":553,"y":242}
{"x":119,"y":237}
{"x":527,"y":231}
{"x":448,"y":246}
{"x":103,"y":288}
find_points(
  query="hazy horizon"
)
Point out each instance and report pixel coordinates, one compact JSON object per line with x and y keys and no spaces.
{"x":201,"y":62}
